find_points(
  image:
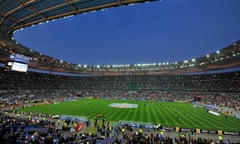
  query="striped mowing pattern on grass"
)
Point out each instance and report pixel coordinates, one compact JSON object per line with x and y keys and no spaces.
{"x":174,"y":114}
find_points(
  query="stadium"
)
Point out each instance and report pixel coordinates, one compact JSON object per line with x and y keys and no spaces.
{"x":47,"y":100}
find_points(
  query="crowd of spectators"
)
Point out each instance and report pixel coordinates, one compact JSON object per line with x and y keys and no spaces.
{"x":28,"y":88}
{"x":22,"y":129}
{"x":222,"y":88}
{"x":220,"y":82}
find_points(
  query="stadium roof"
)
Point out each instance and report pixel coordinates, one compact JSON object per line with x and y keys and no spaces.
{"x":17,"y":14}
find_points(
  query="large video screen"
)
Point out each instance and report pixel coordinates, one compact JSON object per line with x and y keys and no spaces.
{"x":19,"y":67}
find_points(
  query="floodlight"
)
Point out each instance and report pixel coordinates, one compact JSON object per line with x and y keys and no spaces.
{"x":9,"y":63}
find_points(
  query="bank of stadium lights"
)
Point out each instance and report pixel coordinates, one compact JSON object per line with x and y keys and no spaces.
{"x":117,"y":66}
{"x":182,"y":66}
{"x":93,"y":11}
{"x":218,"y":52}
{"x":191,"y":65}
{"x":68,"y":16}
{"x":18,"y":30}
{"x":104,"y":9}
{"x":147,"y":64}
{"x":47,"y":21}
{"x":132,"y":4}
{"x":202,"y":63}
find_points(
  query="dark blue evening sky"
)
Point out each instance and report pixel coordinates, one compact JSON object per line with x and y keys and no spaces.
{"x":167,"y":30}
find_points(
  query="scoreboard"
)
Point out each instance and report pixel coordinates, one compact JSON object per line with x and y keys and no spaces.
{"x":19,"y":62}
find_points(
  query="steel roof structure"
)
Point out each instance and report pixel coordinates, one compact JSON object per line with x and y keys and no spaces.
{"x":18,"y":14}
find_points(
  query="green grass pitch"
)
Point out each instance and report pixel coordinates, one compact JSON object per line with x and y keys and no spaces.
{"x":165,"y":113}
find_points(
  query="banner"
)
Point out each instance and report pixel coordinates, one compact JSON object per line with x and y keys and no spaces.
{"x":198,"y":131}
{"x":231,"y":133}
{"x":220,"y":132}
{"x":177,"y":129}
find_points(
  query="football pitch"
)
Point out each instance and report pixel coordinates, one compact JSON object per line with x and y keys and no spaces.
{"x":169,"y":114}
